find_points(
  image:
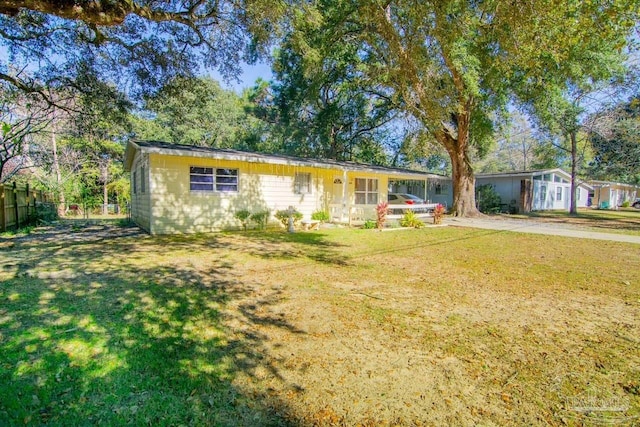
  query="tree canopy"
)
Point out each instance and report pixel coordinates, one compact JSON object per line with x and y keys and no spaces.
{"x":81,"y":63}
{"x":346,"y":71}
{"x":195,"y":111}
{"x":455,"y":65}
{"x":616,"y":143}
{"x":21,"y":118}
{"x":333,"y":112}
{"x":137,"y":45}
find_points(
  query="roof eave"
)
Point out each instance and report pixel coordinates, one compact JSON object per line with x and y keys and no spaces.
{"x":129,"y":155}
{"x":267,"y":159}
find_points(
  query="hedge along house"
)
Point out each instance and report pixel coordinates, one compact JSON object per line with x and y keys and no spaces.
{"x":186,"y":189}
{"x":611,"y":195}
{"x":534,"y":190}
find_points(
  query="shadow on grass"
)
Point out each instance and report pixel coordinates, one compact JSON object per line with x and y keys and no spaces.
{"x":91,"y":333}
{"x":283,"y":245}
{"x":107,"y":325}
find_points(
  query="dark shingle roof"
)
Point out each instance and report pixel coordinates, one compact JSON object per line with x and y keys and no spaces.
{"x":167,"y":148}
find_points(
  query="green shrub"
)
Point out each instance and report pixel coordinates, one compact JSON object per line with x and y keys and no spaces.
{"x":626,"y":204}
{"x":283,"y":217}
{"x":488,"y":199}
{"x":322,"y":216}
{"x":46,"y":212}
{"x":260,"y":218}
{"x":22,"y":231}
{"x":410,"y":219}
{"x":369,"y":224}
{"x":243,"y":216}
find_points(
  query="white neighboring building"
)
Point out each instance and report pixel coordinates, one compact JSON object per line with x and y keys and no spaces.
{"x":610,"y":195}
{"x":535,"y":190}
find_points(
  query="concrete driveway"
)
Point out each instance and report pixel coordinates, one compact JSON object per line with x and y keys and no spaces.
{"x":537,"y":227}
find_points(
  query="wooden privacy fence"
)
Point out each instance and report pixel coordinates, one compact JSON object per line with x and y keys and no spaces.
{"x":18,"y":205}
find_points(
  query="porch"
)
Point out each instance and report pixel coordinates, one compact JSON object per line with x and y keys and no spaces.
{"x":358,"y":214}
{"x":354,"y":195}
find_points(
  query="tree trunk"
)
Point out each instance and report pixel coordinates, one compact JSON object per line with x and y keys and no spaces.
{"x":105,"y":191}
{"x":573,"y":209}
{"x":464,"y":186}
{"x":62,"y":203}
{"x":464,"y":183}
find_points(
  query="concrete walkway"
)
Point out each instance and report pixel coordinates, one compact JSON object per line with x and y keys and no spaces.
{"x":537,"y":227}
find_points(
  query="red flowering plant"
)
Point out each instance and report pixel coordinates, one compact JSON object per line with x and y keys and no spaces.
{"x":381,"y":214}
{"x":438,"y":213}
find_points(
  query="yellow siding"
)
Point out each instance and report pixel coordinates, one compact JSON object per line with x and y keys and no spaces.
{"x":176,"y":209}
{"x":169,"y":206}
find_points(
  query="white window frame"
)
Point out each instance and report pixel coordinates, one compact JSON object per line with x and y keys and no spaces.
{"x":559,"y":193}
{"x":201,"y":172}
{"x":135,"y":182}
{"x":143,"y":186}
{"x":215,"y":183}
{"x":302,"y":183}
{"x":370,"y":195}
{"x":543,"y":193}
{"x":222,"y":173}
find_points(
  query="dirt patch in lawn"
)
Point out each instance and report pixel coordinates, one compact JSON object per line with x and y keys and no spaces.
{"x":462,"y":357}
{"x":413,"y":338}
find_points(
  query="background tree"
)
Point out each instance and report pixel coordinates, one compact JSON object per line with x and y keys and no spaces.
{"x":196,"y":111}
{"x":415,"y":149}
{"x":21,"y":118}
{"x":518,"y":147}
{"x":563,"y":114}
{"x":454,"y":64}
{"x":334,"y":111}
{"x":614,"y":138}
{"x":97,"y":120}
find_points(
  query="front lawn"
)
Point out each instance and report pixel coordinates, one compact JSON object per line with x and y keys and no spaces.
{"x":440,"y":326}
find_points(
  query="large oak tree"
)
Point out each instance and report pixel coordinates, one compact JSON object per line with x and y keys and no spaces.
{"x":455,"y":65}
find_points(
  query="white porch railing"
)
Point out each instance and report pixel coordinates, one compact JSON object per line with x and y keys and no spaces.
{"x":424,"y":210}
{"x":356,"y":214}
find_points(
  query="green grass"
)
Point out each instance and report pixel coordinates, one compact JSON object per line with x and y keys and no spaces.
{"x":18,"y":232}
{"x":123,"y":338}
{"x":203,"y":330}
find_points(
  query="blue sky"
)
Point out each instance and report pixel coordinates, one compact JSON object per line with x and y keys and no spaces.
{"x":250,"y":73}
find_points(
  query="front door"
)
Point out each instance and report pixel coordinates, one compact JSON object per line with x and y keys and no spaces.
{"x":337,"y":199}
